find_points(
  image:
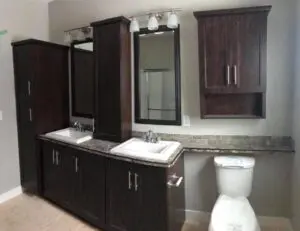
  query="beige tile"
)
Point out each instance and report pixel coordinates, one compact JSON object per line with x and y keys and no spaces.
{"x":30,"y":213}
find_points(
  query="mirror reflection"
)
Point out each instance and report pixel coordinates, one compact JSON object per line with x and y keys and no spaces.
{"x":157,"y":76}
{"x":82,"y":78}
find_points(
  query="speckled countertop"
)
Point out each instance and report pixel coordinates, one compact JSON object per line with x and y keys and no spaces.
{"x":102,"y":147}
{"x":218,"y":145}
{"x":231,"y":145}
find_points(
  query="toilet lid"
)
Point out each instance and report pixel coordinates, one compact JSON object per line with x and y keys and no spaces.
{"x":234,"y":162}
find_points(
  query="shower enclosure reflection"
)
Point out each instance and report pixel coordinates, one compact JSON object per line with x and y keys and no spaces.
{"x":157,"y":77}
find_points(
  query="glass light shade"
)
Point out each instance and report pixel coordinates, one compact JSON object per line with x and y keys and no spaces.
{"x":134,"y":25}
{"x":80,"y":35}
{"x":67,"y":38}
{"x":153,"y":23}
{"x":172,"y":21}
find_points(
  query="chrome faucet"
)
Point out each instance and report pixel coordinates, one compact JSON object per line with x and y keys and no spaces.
{"x":151,"y":137}
{"x":78,"y":126}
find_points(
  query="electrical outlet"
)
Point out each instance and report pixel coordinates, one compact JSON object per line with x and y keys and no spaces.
{"x":186,"y":121}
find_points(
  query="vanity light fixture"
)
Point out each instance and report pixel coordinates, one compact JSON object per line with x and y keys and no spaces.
{"x":153,"y":23}
{"x":172,"y":20}
{"x":78,"y":34}
{"x":134,"y":25}
{"x":154,"y":20}
{"x":67,"y":38}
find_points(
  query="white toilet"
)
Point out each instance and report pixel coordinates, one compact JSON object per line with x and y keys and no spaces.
{"x":232,"y":211}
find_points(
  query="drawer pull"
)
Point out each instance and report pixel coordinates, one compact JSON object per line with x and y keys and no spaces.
{"x":30,"y":114}
{"x":57,"y":158}
{"x":136,"y":185}
{"x":129,"y":180}
{"x":76,"y":164}
{"x":178,"y":180}
{"x":53,"y":157}
{"x":235,"y":75}
{"x":228,"y":75}
{"x":29,"y":87}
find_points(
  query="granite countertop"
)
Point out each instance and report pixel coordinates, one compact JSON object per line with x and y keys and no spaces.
{"x":102,"y":147}
{"x":231,"y":145}
{"x":218,"y":145}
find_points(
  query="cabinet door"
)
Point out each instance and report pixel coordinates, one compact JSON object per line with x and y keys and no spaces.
{"x":151,"y":196}
{"x":248,"y":62}
{"x":119,"y":196}
{"x":24,"y":75}
{"x":58,"y":179}
{"x":66,"y":182}
{"x":51,"y":173}
{"x":213,"y":54}
{"x":90,"y":198}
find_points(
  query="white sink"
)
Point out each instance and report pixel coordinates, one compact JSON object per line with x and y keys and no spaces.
{"x":138,"y":148}
{"x":71,"y":135}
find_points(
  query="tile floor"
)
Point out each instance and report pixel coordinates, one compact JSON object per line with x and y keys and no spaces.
{"x":30,"y":213}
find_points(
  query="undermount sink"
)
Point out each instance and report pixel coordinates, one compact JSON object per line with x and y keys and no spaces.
{"x":71,"y":135}
{"x":138,"y":148}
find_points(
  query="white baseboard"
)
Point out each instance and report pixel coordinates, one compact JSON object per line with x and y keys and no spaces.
{"x":10,"y":194}
{"x":281,"y":223}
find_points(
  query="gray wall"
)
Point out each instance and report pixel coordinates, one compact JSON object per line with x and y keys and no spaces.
{"x":71,"y":14}
{"x":296,"y":129}
{"x":271,"y":193}
{"x":22,"y":19}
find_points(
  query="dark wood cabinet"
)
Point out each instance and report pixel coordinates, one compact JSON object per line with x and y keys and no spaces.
{"x":112,"y":194}
{"x":232,"y":62}
{"x":75,"y":180}
{"x":41,"y":89}
{"x":112,"y":79}
{"x":58,"y":181}
{"x":120,"y":200}
{"x":145,"y":198}
{"x":90,"y":193}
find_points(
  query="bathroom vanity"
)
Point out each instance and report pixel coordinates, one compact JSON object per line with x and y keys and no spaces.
{"x":111,"y":192}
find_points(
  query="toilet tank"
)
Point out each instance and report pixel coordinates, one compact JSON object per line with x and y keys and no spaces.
{"x":234,"y":175}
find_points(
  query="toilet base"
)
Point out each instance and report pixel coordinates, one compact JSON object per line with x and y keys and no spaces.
{"x":233,"y":214}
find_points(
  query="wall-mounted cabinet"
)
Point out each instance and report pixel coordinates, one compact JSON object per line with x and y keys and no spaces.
{"x":232,"y":62}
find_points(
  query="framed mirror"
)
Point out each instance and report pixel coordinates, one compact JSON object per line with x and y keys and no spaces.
{"x":157,"y":76}
{"x":82,"y":78}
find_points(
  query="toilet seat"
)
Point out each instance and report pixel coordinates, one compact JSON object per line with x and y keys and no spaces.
{"x":233,"y":214}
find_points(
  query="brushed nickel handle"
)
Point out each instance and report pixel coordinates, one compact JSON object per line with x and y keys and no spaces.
{"x":57,"y":158}
{"x":176,"y":184}
{"x":29,"y":87}
{"x":53,"y":156}
{"x":228,"y":75}
{"x":30,"y":114}
{"x":235,"y":75}
{"x":76,"y":164}
{"x":136,"y":185}
{"x":129,"y":180}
